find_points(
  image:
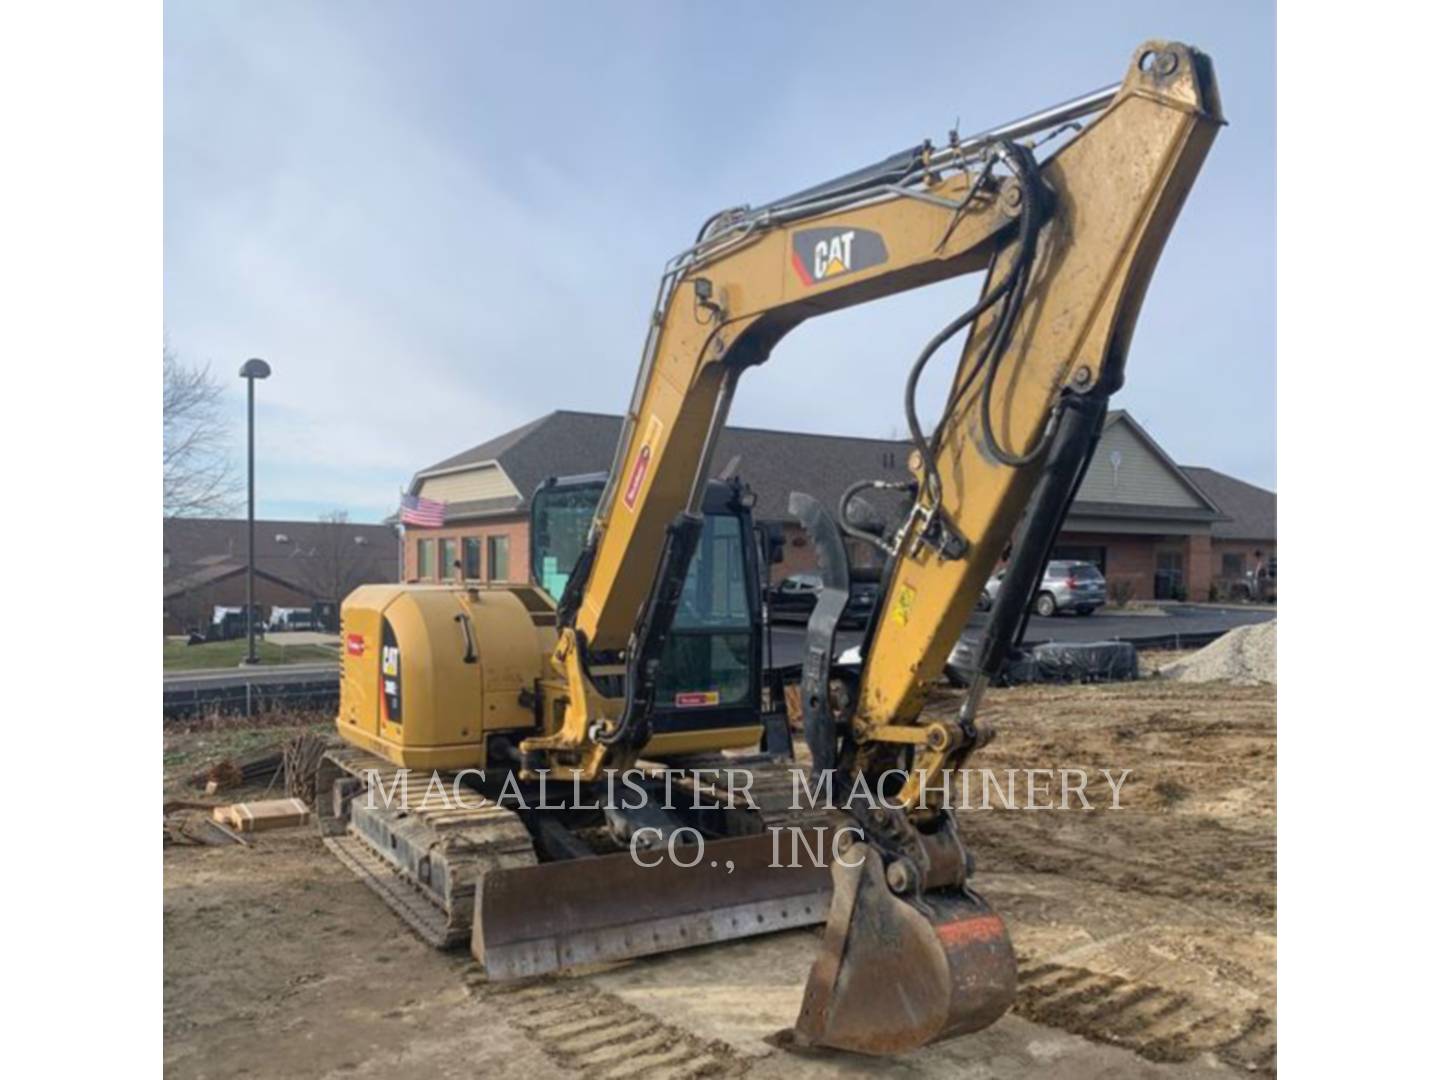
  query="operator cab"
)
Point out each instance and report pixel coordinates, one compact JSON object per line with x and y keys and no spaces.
{"x":710,"y":670}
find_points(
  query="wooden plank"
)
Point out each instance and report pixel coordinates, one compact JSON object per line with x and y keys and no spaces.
{"x":263,"y":815}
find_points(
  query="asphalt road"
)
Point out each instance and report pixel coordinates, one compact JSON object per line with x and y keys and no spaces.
{"x":1182,"y":620}
{"x":260,"y":675}
{"x":789,"y":641}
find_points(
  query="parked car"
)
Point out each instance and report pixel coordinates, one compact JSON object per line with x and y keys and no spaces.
{"x":991,"y":590}
{"x":291,"y":619}
{"x":1254,"y":586}
{"x":1068,"y":585}
{"x":228,"y":624}
{"x":863,"y":595}
{"x":794,"y":598}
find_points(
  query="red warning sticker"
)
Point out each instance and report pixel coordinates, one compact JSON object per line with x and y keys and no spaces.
{"x":641,"y":468}
{"x":689,"y":699}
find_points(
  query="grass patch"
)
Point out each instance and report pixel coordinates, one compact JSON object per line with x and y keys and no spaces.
{"x":190,"y":751}
{"x":228,"y":654}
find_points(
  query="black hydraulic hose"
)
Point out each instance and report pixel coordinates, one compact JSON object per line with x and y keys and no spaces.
{"x":1011,"y":290}
{"x":1027,"y":174}
{"x":856,"y":532}
{"x":949,"y":330}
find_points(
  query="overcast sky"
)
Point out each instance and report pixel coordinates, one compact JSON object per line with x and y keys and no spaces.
{"x":440,"y":221}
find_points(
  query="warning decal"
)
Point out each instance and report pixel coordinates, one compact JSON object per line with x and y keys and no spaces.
{"x":641,"y":468}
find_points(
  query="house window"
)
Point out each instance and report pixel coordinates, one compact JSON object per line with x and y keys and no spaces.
{"x":1169,"y":575}
{"x":425,"y":559}
{"x":499,"y":558}
{"x":1232,"y":565}
{"x":448,"y":558}
{"x":472,"y":558}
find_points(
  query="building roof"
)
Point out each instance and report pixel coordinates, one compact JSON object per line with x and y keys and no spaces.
{"x":283,"y":549}
{"x":773,"y":463}
{"x":1249,"y":510}
{"x":217,"y":572}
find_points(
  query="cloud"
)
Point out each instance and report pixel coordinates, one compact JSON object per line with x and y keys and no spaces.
{"x":440,"y":223}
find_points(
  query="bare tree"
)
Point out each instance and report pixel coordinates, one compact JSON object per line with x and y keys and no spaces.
{"x":338,"y":562}
{"x":200,"y":480}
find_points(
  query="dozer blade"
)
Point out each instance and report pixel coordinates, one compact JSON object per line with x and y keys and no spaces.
{"x":891,"y":978}
{"x":537,"y":919}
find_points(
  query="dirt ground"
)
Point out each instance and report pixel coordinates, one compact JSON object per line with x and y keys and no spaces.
{"x":1146,"y":934}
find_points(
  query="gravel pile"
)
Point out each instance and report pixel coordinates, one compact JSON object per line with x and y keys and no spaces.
{"x":1244,"y":657}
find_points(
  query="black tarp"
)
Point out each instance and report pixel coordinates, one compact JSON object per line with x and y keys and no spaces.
{"x":1054,"y":662}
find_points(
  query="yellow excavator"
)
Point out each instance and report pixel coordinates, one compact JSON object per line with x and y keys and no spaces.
{"x":643,"y":658}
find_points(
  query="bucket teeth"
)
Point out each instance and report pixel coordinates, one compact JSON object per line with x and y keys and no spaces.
{"x":891,"y":977}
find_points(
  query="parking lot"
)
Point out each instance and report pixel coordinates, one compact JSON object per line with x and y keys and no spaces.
{"x":1161,"y":626}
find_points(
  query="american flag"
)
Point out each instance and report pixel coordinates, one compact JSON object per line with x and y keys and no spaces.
{"x":427,"y":513}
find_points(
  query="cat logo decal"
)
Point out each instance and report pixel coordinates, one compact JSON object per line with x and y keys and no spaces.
{"x":823,"y":254}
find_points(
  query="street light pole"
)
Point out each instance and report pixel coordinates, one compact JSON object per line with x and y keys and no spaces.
{"x":252,"y":370}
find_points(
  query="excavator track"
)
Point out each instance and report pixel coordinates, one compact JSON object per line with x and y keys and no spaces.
{"x":423,"y":860}
{"x":401,"y":896}
{"x":429,"y":862}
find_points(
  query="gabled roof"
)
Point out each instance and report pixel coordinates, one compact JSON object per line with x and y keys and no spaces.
{"x":217,"y":572}
{"x":194,"y":544}
{"x":773,"y":463}
{"x":1250,"y":511}
{"x":1121,"y":416}
{"x":487,"y":451}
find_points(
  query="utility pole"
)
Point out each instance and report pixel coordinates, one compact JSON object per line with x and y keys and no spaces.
{"x":252,"y":370}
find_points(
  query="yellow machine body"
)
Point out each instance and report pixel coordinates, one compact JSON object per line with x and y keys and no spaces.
{"x":429,"y":672}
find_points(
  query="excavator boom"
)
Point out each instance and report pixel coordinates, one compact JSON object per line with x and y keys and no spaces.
{"x":1067,"y":247}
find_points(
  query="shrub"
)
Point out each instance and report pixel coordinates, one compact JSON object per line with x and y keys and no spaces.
{"x":1122,"y":591}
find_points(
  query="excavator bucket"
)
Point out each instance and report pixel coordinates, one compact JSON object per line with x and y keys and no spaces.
{"x":532,"y":920}
{"x":891,"y":977}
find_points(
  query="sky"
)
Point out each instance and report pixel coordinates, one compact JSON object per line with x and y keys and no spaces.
{"x":440,"y":221}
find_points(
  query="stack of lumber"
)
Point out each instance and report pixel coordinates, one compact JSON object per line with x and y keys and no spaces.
{"x":263,"y":815}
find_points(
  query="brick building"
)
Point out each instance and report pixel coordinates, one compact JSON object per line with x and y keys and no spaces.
{"x":297,"y":563}
{"x":1246,"y":538}
{"x":1147,"y":522}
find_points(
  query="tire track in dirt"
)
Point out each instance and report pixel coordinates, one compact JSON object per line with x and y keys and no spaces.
{"x":1158,"y":1024}
{"x":1191,"y":855}
{"x":1210,"y":861}
{"x":600,"y":1036}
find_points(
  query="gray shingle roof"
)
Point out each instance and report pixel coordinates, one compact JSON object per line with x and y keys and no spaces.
{"x":192,"y":544}
{"x":1249,"y":510}
{"x":773,"y":463}
{"x":1143,"y":513}
{"x":216,"y":572}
